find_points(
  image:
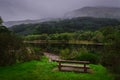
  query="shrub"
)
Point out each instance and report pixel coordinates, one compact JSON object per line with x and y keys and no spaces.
{"x":65,"y":53}
{"x":82,"y":55}
{"x":85,"y":55}
{"x":93,"y":58}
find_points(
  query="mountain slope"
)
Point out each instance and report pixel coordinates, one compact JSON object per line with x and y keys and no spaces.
{"x":67,"y":25}
{"x":12,"y":23}
{"x":98,"y":12}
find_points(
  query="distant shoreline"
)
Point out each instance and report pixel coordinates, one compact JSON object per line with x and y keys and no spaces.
{"x":63,"y":42}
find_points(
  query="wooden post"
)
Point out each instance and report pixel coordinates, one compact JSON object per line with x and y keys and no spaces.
{"x":59,"y":66}
{"x":85,"y":68}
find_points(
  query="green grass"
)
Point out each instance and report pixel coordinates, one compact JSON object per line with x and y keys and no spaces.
{"x":43,"y":70}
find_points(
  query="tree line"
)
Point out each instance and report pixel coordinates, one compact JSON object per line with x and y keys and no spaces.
{"x":67,"y":25}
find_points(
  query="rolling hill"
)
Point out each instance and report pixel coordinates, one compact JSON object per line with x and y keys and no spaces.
{"x":66,"y":25}
{"x":97,"y":12}
{"x":12,"y":23}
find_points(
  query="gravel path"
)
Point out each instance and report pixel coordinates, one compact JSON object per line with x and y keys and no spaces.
{"x":52,"y":56}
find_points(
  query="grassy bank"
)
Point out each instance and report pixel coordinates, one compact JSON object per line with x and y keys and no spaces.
{"x":43,"y":70}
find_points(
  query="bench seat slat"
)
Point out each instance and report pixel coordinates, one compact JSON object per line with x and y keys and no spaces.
{"x":74,"y":66}
{"x":70,"y":61}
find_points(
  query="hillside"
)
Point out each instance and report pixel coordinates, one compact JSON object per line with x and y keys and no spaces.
{"x":12,"y":23}
{"x":98,"y":12}
{"x":67,"y":25}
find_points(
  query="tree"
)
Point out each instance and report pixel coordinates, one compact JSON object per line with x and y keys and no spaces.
{"x":98,"y":36}
{"x":111,"y":53}
{"x":1,"y":21}
{"x":12,"y":49}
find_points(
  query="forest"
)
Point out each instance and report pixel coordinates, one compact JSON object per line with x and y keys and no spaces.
{"x":65,"y":25}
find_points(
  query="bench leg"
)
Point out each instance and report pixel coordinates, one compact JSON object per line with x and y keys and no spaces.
{"x":85,"y":69}
{"x":59,"y":66}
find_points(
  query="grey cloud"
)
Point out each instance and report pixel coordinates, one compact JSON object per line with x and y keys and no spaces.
{"x":35,"y":9}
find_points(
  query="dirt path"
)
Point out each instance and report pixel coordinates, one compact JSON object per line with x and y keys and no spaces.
{"x":52,"y":56}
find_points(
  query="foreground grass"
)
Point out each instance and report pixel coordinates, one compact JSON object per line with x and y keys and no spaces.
{"x":43,"y":70}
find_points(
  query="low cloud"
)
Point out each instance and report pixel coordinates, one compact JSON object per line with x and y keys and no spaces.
{"x":37,"y":9}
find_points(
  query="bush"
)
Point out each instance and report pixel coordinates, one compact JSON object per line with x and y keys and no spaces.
{"x":93,"y":58}
{"x":13,"y":50}
{"x":82,"y":55}
{"x":85,"y":55}
{"x":65,"y":53}
{"x":111,"y":52}
{"x":9,"y":47}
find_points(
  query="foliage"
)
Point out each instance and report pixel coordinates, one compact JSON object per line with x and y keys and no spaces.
{"x":36,"y":37}
{"x":98,"y":36}
{"x":12,"y":49}
{"x":9,"y":44}
{"x":1,"y":21}
{"x":111,"y":53}
{"x":81,"y":55}
{"x":85,"y":55}
{"x":93,"y":36}
{"x":65,"y":53}
{"x":93,"y":58}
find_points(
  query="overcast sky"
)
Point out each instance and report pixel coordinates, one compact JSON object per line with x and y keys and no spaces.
{"x":12,"y":10}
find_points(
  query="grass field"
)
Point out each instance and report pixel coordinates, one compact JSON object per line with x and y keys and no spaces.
{"x":43,"y":70}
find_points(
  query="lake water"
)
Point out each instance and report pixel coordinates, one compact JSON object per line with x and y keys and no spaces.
{"x":55,"y":48}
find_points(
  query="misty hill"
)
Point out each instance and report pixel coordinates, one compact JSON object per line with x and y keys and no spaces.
{"x":98,"y":12}
{"x":12,"y":23}
{"x":67,"y":25}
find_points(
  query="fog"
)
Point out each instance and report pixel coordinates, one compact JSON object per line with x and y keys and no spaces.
{"x":12,"y":10}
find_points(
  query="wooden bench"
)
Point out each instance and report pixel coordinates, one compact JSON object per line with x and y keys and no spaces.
{"x":73,"y":64}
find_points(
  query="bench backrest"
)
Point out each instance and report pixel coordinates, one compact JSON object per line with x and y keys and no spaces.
{"x":70,"y":61}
